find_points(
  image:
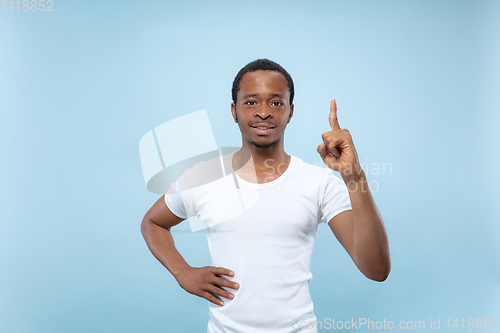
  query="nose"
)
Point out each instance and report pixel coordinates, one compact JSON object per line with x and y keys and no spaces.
{"x":264,"y":112}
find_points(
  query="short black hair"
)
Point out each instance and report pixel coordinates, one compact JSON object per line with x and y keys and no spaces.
{"x":265,"y":65}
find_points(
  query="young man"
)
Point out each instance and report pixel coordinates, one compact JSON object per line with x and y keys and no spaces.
{"x":259,"y":281}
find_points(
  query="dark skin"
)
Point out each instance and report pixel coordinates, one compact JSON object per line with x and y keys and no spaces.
{"x":263,"y":100}
{"x":199,"y":281}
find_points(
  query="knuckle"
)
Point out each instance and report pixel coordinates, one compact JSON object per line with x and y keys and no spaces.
{"x":197,"y":291}
{"x":210,"y":297}
{"x":206,"y":278}
{"x":217,"y":295}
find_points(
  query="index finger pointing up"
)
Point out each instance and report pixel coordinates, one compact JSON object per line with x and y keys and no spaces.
{"x":332,"y":118}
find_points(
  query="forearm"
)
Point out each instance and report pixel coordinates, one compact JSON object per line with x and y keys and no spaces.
{"x":161,"y":244}
{"x":371,"y":246}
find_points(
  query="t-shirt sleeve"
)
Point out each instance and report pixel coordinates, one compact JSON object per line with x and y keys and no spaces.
{"x":175,"y":203}
{"x":334,"y":198}
{"x":183,"y":195}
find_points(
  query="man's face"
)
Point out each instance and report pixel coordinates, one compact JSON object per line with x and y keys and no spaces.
{"x":262,"y":108}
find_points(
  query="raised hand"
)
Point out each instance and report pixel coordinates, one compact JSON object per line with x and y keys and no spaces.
{"x":206,"y":282}
{"x":337,"y":149}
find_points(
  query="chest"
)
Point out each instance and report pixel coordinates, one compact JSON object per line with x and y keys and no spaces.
{"x":288,"y":211}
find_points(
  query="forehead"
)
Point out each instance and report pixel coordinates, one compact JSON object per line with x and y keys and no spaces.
{"x":261,"y":81}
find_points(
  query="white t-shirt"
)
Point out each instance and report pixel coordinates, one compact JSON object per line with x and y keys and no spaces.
{"x":267,"y":240}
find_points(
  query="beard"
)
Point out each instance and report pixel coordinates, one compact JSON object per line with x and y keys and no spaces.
{"x":266,"y":145}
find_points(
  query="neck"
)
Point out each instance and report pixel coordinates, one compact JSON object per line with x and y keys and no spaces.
{"x":263,"y":157}
{"x":264,"y":163}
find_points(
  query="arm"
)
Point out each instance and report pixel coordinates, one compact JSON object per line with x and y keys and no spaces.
{"x":360,"y":231}
{"x":204,"y":281}
{"x":155,"y":229}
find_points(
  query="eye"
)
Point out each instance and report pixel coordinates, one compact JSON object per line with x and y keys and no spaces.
{"x":250,"y":102}
{"x":277,"y":103}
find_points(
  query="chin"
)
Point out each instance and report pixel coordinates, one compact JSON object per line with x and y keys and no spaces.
{"x":263,"y":144}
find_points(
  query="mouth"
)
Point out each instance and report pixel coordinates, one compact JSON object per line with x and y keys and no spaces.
{"x":263,"y":128}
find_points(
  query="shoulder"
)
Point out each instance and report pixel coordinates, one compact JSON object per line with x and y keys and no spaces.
{"x":317,"y":170}
{"x":318,"y":176}
{"x":199,"y":171}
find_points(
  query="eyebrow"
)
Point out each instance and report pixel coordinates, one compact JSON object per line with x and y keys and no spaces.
{"x":270,"y":95}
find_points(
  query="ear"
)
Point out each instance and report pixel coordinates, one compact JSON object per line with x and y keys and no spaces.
{"x":233,"y":112}
{"x":291,"y":113}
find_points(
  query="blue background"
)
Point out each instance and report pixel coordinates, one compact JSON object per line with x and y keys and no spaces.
{"x":416,"y":84}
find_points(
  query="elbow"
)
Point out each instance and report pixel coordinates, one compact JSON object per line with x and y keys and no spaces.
{"x":377,"y":270}
{"x":381,"y":273}
{"x":145,"y":227}
{"x":381,"y":277}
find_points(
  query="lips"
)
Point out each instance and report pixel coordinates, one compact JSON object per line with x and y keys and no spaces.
{"x":263,"y":125}
{"x":263,"y":128}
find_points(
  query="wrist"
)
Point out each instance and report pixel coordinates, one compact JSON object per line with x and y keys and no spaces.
{"x":354,"y":177}
{"x":179,"y":271}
